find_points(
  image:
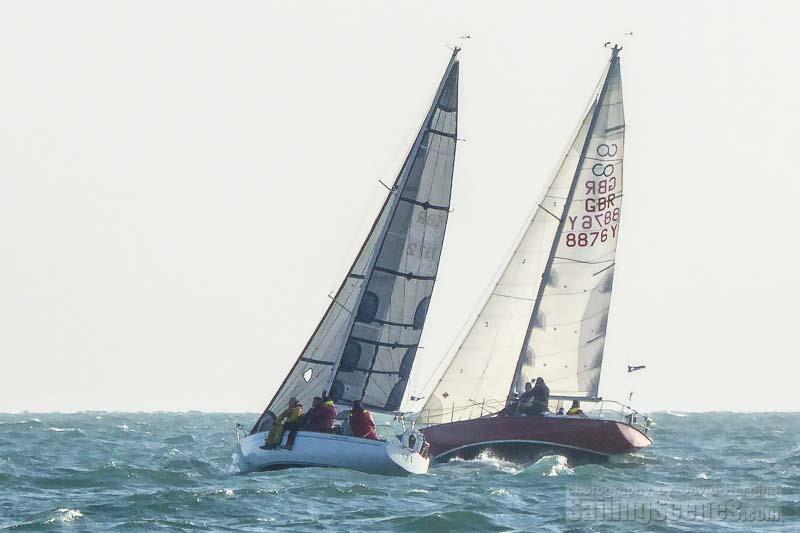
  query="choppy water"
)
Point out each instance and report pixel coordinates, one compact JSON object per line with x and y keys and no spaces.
{"x":175,"y":471}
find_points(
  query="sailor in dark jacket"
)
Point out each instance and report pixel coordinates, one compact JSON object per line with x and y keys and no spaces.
{"x":541,"y":397}
{"x":528,"y":394}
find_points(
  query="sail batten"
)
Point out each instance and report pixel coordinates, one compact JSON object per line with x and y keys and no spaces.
{"x":365,"y":344}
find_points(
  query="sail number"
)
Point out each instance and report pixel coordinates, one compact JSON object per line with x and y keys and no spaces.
{"x":425,"y":251}
{"x":590,"y":238}
{"x":600,"y":217}
{"x":593,"y":221}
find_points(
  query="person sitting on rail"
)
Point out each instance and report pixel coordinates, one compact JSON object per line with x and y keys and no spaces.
{"x":289,"y":418}
{"x":361,"y":422}
{"x":575,"y":410}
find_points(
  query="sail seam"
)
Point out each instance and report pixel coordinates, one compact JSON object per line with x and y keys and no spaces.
{"x":604,"y":269}
{"x":549,"y":212}
{"x":584,"y":262}
{"x":513,"y":297}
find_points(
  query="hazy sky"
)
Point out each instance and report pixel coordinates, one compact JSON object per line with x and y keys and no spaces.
{"x":182,"y":184}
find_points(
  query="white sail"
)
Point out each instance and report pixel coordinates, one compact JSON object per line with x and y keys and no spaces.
{"x":556,"y":264}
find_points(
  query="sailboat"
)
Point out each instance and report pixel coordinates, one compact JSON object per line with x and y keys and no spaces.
{"x":364,"y":347}
{"x":546,"y":316}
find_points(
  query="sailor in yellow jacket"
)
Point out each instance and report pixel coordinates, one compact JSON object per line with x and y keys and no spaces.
{"x":575,"y":410}
{"x":291,"y":415}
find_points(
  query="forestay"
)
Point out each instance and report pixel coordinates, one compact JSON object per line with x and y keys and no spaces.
{"x":365,"y":345}
{"x":564,"y":261}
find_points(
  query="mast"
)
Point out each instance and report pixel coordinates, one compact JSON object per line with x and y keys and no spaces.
{"x":563,"y":219}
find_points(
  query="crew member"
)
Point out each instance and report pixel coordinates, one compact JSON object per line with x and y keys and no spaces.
{"x":575,"y":410}
{"x":528,"y":394}
{"x":322,"y":418}
{"x":541,"y":397}
{"x":316,"y":403}
{"x":290,"y":417}
{"x":361,"y":422}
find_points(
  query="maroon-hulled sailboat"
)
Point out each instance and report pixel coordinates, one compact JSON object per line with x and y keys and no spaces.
{"x":546,"y":316}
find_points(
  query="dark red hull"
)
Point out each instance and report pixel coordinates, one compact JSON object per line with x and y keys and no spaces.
{"x":527,"y":438}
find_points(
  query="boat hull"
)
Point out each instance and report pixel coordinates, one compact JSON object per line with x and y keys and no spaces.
{"x":313,"y":449}
{"x":525,"y":439}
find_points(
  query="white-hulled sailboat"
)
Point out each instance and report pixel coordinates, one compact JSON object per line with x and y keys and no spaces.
{"x":546,"y":316}
{"x":364,"y":346}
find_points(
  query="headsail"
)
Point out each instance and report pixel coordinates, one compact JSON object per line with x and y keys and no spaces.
{"x":365,"y":345}
{"x":546,"y":314}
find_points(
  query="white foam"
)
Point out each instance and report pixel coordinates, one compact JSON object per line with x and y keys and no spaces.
{"x":561,"y":466}
{"x":62,"y":430}
{"x":486,"y":458}
{"x":65,"y":515}
{"x":551,"y":466}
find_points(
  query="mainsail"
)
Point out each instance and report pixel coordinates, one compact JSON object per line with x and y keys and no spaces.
{"x":365,"y":345}
{"x":547,"y":313}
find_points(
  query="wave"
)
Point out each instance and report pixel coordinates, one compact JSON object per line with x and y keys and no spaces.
{"x":550,"y":466}
{"x":149,"y":524}
{"x":486,"y":458}
{"x":444,"y":521}
{"x":180,"y":439}
{"x":65,"y":430}
{"x":65,"y":515}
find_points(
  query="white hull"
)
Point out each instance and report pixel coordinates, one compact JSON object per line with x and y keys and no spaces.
{"x":388,"y":457}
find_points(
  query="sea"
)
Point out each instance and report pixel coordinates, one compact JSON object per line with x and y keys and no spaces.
{"x":101,"y":471}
